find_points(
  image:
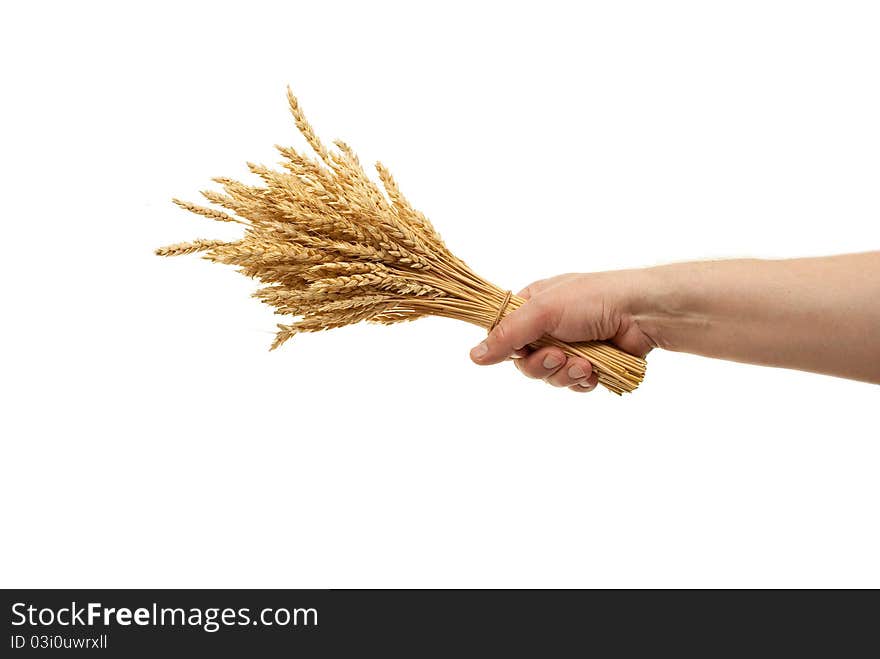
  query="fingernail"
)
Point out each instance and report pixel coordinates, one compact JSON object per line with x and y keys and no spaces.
{"x":480,"y":350}
{"x":551,"y":361}
{"x":585,"y":385}
{"x":576,"y":372}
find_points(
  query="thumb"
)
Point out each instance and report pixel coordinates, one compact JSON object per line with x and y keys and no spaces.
{"x":516,"y":330}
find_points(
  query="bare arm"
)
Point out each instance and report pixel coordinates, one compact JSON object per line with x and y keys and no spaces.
{"x":814,"y":314}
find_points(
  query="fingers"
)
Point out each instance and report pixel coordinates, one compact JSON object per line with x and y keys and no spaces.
{"x":553,"y":366}
{"x":587,"y":385}
{"x":541,"y":363}
{"x":573,"y":372}
{"x":515,"y":331}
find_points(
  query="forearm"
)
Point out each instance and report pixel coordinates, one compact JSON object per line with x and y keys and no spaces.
{"x":818,"y":314}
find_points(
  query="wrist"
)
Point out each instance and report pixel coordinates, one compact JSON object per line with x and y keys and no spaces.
{"x":666,"y":304}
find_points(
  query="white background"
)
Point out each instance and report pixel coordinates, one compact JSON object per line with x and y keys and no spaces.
{"x":150,"y":439}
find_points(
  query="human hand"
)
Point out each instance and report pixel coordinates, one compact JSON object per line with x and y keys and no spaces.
{"x":572,"y":307}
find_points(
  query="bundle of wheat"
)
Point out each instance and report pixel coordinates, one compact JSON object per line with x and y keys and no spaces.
{"x":334,"y":250}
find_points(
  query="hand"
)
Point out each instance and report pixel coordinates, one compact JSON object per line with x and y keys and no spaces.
{"x":574,"y":307}
{"x":814,"y":314}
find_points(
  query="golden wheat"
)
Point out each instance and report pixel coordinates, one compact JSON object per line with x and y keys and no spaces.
{"x":332,"y":249}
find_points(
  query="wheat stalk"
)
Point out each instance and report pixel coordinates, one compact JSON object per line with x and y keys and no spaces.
{"x":333,"y":249}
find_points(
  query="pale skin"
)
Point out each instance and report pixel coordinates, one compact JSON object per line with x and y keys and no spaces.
{"x":813,"y":314}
